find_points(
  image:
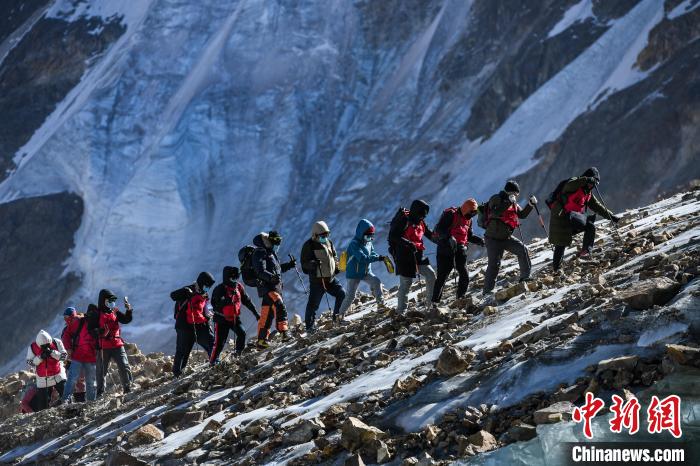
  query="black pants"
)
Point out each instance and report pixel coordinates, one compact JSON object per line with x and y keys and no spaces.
{"x":445,"y":264}
{"x":187,"y":336}
{"x":104,"y":356}
{"x":495,"y":249}
{"x":579,"y":223}
{"x":316,"y":292}
{"x":42,"y":398}
{"x":221,"y":330}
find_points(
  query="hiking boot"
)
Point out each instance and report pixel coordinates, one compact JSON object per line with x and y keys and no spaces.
{"x":584,"y":254}
{"x":262,"y":344}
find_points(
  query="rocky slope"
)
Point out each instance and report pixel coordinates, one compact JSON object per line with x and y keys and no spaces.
{"x":185,"y":127}
{"x":482,"y":382}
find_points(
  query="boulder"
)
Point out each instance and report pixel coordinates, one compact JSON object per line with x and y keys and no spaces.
{"x":483,"y":441}
{"x":488,"y":310}
{"x":304,"y":431}
{"x":520,"y":433}
{"x":120,"y":457}
{"x":522,"y":328}
{"x":684,"y":355}
{"x":623,"y":363}
{"x":354,"y":460}
{"x":452,"y":361}
{"x":560,"y":411}
{"x":145,"y":434}
{"x":408,"y":385}
{"x":356,"y":434}
{"x":647,"y":293}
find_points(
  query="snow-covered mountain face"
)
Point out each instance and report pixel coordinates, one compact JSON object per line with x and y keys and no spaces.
{"x":145,"y":141}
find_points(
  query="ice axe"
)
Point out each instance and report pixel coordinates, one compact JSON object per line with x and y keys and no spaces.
{"x":291,"y":258}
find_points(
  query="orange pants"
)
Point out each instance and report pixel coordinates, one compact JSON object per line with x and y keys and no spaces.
{"x":272,"y":307}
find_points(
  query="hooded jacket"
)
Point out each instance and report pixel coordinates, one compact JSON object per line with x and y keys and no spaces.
{"x":191,"y":302}
{"x":361,"y":253}
{"x":227,"y":299}
{"x":575,"y":197}
{"x":454,"y":224}
{"x":406,"y":239}
{"x":503,"y":216}
{"x":50,"y":370}
{"x":319,"y":260}
{"x":267,"y":266}
{"x":103,"y":323}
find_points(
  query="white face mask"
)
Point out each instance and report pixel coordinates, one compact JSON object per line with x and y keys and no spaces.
{"x":111,"y":304}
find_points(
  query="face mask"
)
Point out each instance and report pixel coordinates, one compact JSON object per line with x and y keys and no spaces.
{"x":206,"y":289}
{"x":275,"y":248}
{"x":232,"y":283}
{"x":368,"y":238}
{"x":111,"y":304}
{"x":323,"y":239}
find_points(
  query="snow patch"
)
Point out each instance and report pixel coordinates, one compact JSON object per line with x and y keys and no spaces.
{"x":575,"y":14}
{"x":684,"y":8}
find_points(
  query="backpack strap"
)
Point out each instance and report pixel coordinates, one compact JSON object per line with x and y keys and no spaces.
{"x":74,"y":340}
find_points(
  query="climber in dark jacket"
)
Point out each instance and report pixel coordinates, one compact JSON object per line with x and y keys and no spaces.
{"x":226,"y":299}
{"x":319,"y":261}
{"x":103,"y":323}
{"x":406,"y":244}
{"x":502,"y":220}
{"x":569,"y":216}
{"x":192,"y":320}
{"x":454,"y":230}
{"x":269,"y":270}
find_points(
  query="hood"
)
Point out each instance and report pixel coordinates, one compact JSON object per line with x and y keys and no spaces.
{"x":318,"y":228}
{"x":419,"y":209}
{"x":362,"y":227}
{"x":230,"y":273}
{"x":104,"y":294}
{"x":43,"y":338}
{"x":261,"y":241}
{"x":592,"y":173}
{"x":205,"y":279}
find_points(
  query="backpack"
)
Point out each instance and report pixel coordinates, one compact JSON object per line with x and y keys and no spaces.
{"x":245,"y":256}
{"x":483,"y":214}
{"x":343,"y":261}
{"x":76,"y":336}
{"x":556,"y":195}
{"x":400,"y":214}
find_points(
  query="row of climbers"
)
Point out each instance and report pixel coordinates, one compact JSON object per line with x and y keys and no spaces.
{"x":88,"y":343}
{"x":91,"y":341}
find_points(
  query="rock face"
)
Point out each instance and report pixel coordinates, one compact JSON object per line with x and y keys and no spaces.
{"x":453,"y":361}
{"x":655,"y":291}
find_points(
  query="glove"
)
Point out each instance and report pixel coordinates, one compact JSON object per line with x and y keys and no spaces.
{"x":275,"y":280}
{"x":615,"y":219}
{"x":45,"y":353}
{"x":512,"y":199}
{"x":533,"y":200}
{"x":453,"y":243}
{"x":293,"y":262}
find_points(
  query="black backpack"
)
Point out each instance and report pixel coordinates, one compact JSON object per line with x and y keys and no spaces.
{"x":400,"y":214}
{"x":482,"y":215}
{"x":245,"y":256}
{"x":555,"y":195}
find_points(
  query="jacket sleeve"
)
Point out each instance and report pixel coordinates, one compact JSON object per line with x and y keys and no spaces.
{"x":496,"y":206}
{"x":32,"y":360}
{"x":67,"y":337}
{"x":181,"y":294}
{"x":599,"y":208}
{"x":218,"y":298}
{"x":430,"y":234}
{"x":522,"y":213}
{"x":124,"y":317}
{"x":443,"y":225}
{"x":59,"y":353}
{"x":307,"y":258}
{"x":259,"y":263}
{"x":247,"y":302}
{"x":475,"y":239}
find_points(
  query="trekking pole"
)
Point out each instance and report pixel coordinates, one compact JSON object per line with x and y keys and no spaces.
{"x":522,"y":239}
{"x":539,"y":215}
{"x":291,"y":258}
{"x":325,"y":290}
{"x":420,"y":282}
{"x":604,"y":204}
